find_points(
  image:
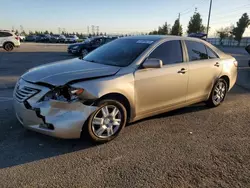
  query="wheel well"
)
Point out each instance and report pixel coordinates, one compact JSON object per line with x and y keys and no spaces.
{"x":121,"y":98}
{"x":226,"y":78}
{"x":8,"y":42}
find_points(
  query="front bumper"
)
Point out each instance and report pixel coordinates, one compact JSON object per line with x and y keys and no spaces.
{"x":73,"y":51}
{"x":54,"y":118}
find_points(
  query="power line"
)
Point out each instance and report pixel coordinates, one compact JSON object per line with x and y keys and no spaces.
{"x":234,"y":9}
{"x":191,"y":8}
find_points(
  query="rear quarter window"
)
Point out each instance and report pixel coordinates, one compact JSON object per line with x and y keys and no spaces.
{"x":5,"y":34}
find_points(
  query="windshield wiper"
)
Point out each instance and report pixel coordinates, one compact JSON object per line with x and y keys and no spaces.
{"x":92,"y":61}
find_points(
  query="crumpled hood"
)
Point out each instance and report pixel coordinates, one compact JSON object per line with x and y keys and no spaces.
{"x":62,"y":72}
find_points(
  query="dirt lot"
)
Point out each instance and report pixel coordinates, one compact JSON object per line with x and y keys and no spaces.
{"x":191,"y":147}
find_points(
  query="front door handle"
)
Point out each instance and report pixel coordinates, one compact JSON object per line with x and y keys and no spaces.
{"x":217,"y":64}
{"x":182,"y":71}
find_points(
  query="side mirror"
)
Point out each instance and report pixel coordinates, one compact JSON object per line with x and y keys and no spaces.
{"x":248,"y":49}
{"x":152,"y":63}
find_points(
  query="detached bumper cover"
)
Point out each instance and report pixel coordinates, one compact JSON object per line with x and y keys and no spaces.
{"x":66,"y":118}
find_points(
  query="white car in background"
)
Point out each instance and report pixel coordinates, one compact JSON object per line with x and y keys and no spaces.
{"x":8,"y":40}
{"x":71,"y":39}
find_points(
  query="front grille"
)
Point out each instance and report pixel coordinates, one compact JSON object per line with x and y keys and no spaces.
{"x":24,"y":93}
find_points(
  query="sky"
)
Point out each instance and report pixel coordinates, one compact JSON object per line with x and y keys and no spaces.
{"x":116,"y":16}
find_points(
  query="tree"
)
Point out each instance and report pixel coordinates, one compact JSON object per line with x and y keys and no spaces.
{"x":153,"y":32}
{"x":16,"y":32}
{"x":31,"y":33}
{"x":46,"y":32}
{"x":177,"y":28}
{"x":101,"y":34}
{"x":164,"y":30}
{"x":223,"y":33}
{"x":51,"y":33}
{"x":239,"y":30}
{"x":195,"y":24}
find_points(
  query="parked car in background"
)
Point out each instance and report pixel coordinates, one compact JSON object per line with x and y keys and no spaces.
{"x":30,"y":38}
{"x":22,"y":38}
{"x":126,"y":80}
{"x":248,"y":51}
{"x":43,"y":38}
{"x":8,"y":40}
{"x":57,"y":38}
{"x":54,"y":38}
{"x":198,"y":35}
{"x":71,"y":39}
{"x":89,"y":45}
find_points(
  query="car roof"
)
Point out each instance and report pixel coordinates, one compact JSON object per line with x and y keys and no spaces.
{"x":161,"y":37}
{"x":6,"y":31}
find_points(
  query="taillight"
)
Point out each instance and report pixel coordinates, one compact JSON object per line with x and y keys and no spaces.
{"x":235,"y":63}
{"x":17,"y":38}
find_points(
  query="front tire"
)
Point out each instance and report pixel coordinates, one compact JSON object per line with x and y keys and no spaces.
{"x":84,"y":52}
{"x":8,"y":47}
{"x":107,"y":121}
{"x":218,"y":93}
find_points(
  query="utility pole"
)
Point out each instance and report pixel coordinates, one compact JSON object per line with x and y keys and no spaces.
{"x":97,"y":30}
{"x":209,"y":14}
{"x":179,"y":26}
{"x":93,"y":29}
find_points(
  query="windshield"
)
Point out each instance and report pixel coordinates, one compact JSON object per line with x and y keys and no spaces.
{"x":88,"y":40}
{"x":118,"y":52}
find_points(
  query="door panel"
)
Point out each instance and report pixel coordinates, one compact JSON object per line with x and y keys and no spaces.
{"x":204,"y":69}
{"x":202,"y":75}
{"x":160,"y":88}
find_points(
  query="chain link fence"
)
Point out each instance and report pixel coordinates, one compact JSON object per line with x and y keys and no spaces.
{"x":229,"y":42}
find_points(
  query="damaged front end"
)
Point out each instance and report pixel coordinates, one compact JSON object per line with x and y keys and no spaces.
{"x":59,"y":111}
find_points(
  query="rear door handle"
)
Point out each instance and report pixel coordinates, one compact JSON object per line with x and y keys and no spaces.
{"x":217,"y":64}
{"x":182,"y":71}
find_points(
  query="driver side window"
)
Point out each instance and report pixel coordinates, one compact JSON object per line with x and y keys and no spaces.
{"x":169,"y":52}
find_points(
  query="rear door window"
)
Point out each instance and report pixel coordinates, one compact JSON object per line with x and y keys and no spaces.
{"x":211,"y":54}
{"x":196,"y":51}
{"x":169,"y":52}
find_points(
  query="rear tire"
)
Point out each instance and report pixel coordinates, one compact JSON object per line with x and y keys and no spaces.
{"x":8,"y":46}
{"x":107,"y":121}
{"x":218,"y":93}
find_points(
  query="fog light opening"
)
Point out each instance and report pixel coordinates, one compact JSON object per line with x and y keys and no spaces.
{"x":47,"y":126}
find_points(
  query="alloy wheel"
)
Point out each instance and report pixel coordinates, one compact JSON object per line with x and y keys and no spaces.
{"x":106,"y":121}
{"x":219,"y":92}
{"x":84,"y":53}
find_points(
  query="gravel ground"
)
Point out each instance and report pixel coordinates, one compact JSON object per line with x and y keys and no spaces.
{"x":192,"y":147}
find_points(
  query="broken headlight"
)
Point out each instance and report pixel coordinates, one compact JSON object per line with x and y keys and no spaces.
{"x":64,"y":93}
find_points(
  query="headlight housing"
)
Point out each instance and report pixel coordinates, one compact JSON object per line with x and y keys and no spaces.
{"x":64,"y":93}
{"x":75,"y":47}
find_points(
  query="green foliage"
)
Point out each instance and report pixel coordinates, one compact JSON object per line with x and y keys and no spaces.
{"x":177,"y":28}
{"x":46,"y":32}
{"x":223,"y":33}
{"x":239,"y":30}
{"x":195,"y":24}
{"x":164,"y":30}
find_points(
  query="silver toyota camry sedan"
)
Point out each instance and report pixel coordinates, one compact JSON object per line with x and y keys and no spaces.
{"x":123,"y":81}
